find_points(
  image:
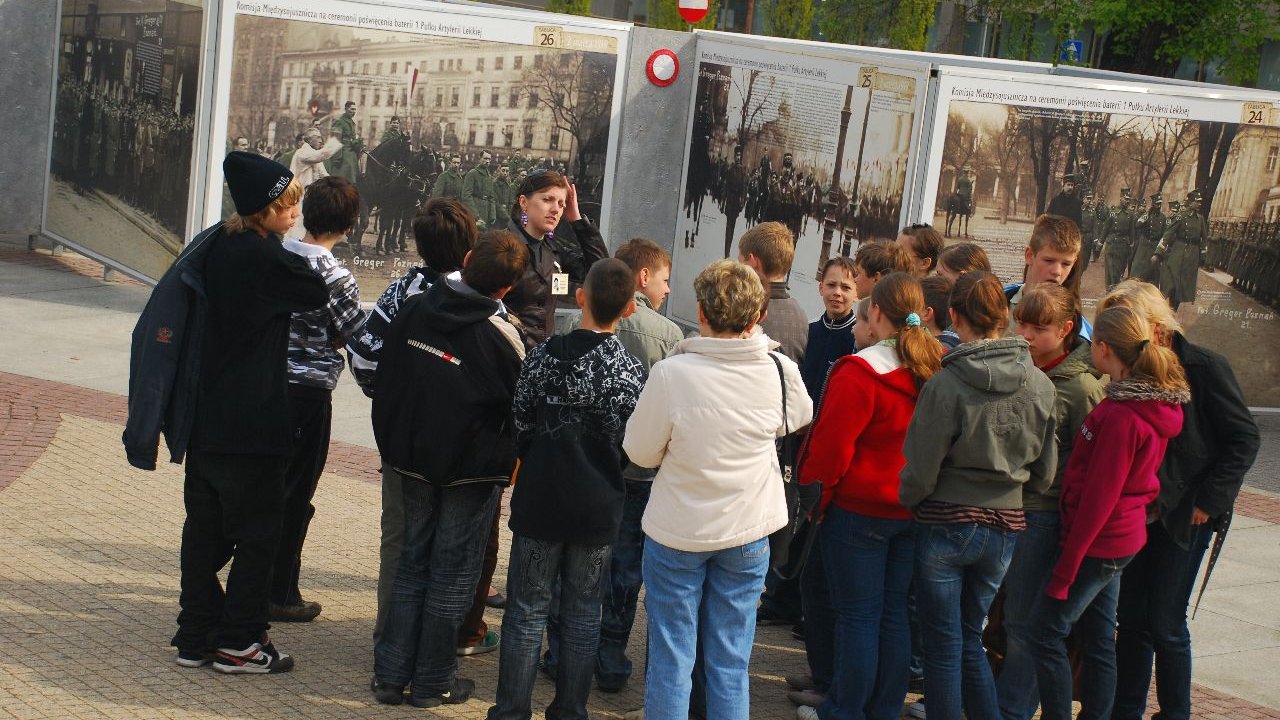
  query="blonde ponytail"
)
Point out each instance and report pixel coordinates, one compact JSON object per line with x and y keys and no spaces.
{"x":1126,"y":331}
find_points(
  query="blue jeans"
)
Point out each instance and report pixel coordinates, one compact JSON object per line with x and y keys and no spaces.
{"x":444,"y":534}
{"x":958,"y":571}
{"x":621,"y":595}
{"x":868,"y":574}
{"x":819,"y":619}
{"x":1094,"y":593}
{"x":1152,"y":615}
{"x":706,"y":595}
{"x":1033,"y":559}
{"x":531,"y":574}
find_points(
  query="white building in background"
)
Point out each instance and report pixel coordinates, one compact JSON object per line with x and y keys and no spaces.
{"x":1250,"y":185}
{"x":469,"y":95}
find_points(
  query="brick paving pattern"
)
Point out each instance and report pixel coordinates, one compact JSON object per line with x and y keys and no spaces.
{"x":88,"y":587}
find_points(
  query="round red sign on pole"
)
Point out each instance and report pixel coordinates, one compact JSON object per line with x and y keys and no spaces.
{"x":692,"y":10}
{"x":663,"y":67}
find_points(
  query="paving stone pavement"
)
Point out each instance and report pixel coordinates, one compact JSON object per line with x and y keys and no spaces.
{"x":89,"y":587}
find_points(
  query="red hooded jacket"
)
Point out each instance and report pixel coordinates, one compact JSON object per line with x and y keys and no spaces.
{"x":854,"y":447}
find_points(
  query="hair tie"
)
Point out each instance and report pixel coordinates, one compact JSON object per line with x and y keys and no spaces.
{"x":1143,"y":345}
{"x":913,"y":320}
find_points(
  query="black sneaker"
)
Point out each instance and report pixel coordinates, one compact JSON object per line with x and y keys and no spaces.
{"x":459,"y":693}
{"x":305,"y":611}
{"x":386,"y":693}
{"x":260,"y":657}
{"x":194,"y":658}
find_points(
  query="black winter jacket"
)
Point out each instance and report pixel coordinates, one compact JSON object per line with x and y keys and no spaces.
{"x":575,"y":395}
{"x":443,"y":389}
{"x":1205,"y":464}
{"x":164,"y":358}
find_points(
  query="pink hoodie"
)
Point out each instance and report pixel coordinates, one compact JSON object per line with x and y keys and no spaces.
{"x":1111,"y":477}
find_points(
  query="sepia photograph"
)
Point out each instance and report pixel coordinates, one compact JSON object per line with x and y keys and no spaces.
{"x":822,"y":146}
{"x":411,"y":116}
{"x":123,"y":130}
{"x":1180,"y":193}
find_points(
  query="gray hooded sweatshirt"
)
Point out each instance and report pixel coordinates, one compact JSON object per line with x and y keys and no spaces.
{"x":983,"y":429}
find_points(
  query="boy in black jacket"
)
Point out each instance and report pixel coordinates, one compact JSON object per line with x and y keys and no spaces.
{"x":575,"y":394}
{"x":442,"y":420}
{"x":240,"y":438}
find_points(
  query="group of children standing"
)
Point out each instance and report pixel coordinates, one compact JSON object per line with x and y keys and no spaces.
{"x":963,"y":439}
{"x":970,"y":447}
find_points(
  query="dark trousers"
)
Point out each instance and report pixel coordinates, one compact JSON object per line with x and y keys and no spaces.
{"x":1091,"y":607}
{"x":435,"y":580}
{"x":782,"y":600}
{"x":474,"y":628}
{"x":1152,"y":624}
{"x":620,"y":597}
{"x":234,"y":506}
{"x":312,"y":415}
{"x":531,"y":575}
{"x":819,"y":620}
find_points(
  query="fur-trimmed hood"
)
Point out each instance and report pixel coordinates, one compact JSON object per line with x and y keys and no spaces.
{"x":1139,"y":389}
{"x":1159,"y":407}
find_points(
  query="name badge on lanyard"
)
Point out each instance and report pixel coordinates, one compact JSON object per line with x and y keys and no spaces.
{"x":559,"y":282}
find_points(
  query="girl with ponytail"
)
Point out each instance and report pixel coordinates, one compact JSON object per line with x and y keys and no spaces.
{"x":982,"y":433}
{"x":1202,"y":472}
{"x":866,"y":538}
{"x":1106,"y":488}
{"x":1048,"y":319}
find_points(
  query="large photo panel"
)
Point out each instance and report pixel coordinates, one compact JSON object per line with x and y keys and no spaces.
{"x":123,"y":130}
{"x":1168,"y":184}
{"x":416,"y":103}
{"x":824,"y":145}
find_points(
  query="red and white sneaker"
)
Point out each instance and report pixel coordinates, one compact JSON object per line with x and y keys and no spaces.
{"x":260,"y":657}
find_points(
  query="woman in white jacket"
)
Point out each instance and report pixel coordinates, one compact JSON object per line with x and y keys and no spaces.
{"x":708,"y":418}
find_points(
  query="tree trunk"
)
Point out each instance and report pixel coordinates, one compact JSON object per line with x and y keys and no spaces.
{"x":1140,"y":57}
{"x":1215,"y":142}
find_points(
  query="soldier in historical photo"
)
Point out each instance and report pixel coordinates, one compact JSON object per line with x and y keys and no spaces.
{"x":1067,"y":203}
{"x":1181,"y":249}
{"x":1117,"y":238}
{"x":345,"y":162}
{"x":733,"y":196}
{"x":1151,"y":227}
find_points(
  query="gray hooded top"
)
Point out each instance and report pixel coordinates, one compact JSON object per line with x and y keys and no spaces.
{"x":982,"y":429}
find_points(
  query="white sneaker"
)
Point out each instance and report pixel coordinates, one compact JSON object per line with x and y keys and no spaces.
{"x":804,"y":712}
{"x":915,"y":710}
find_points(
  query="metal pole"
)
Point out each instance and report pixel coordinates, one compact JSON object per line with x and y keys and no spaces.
{"x":857,"y":170}
{"x":833,"y":194}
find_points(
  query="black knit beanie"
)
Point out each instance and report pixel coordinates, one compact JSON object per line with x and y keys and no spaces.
{"x":255,"y":181}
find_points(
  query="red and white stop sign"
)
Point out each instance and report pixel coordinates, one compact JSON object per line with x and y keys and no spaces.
{"x":692,"y":10}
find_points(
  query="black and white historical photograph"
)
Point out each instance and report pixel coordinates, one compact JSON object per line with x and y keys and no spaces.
{"x":123,"y":128}
{"x":411,"y":116}
{"x":824,"y":148}
{"x":1182,"y":194}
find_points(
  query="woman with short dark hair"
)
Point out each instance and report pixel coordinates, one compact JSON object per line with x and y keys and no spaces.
{"x":560,"y":253}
